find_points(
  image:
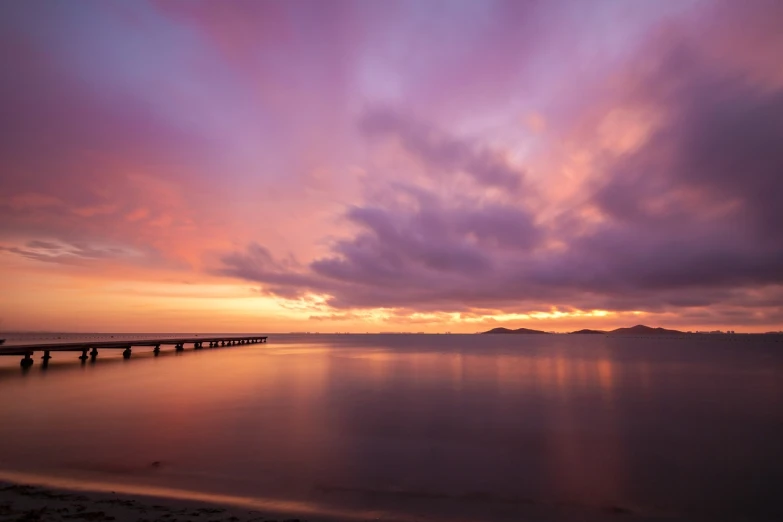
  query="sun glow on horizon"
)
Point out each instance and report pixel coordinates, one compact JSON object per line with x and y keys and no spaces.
{"x":554,"y":189}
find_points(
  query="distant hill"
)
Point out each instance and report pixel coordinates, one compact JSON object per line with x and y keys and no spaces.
{"x":641,"y":329}
{"x":517,"y":331}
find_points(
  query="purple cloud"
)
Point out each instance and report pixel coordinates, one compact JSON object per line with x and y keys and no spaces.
{"x":470,"y":157}
{"x":442,"y":152}
{"x":690,"y":219}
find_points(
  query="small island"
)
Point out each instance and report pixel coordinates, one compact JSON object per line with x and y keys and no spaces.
{"x":517,"y":331}
{"x":641,"y":329}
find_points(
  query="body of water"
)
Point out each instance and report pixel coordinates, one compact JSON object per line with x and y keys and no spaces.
{"x":413,"y":427}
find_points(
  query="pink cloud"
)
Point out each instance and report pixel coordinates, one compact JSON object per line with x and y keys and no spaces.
{"x":420,"y":156}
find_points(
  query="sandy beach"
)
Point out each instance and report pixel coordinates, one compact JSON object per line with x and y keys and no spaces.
{"x":25,"y":502}
{"x":20,"y":502}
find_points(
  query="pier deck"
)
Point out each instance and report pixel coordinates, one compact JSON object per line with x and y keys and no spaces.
{"x":92,"y":347}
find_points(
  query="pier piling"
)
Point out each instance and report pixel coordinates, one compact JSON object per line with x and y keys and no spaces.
{"x":27,"y":361}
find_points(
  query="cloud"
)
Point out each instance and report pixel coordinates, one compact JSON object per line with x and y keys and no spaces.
{"x":442,"y":152}
{"x":698,"y":203}
{"x":477,"y":158}
{"x":281,"y":277}
{"x":64,"y":253}
{"x":689,"y":218}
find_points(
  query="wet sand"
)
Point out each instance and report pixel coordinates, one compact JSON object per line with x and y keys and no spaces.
{"x":32,"y":503}
{"x":19,"y":502}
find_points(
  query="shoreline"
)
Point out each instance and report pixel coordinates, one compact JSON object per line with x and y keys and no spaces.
{"x":36,"y":498}
{"x":25,"y":502}
{"x":28,"y":497}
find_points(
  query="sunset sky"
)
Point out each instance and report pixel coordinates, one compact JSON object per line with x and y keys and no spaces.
{"x":391,"y":166}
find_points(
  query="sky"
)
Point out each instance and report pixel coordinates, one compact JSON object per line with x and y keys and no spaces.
{"x":425,"y":166}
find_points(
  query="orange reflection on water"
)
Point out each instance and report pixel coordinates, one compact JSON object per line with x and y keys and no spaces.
{"x":604,"y":367}
{"x":395,"y":425}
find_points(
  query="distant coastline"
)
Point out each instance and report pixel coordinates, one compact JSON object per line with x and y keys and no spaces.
{"x":639,"y":329}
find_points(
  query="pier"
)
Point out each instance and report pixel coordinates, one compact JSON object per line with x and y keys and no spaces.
{"x":90,"y":350}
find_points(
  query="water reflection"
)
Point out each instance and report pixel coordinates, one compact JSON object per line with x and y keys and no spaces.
{"x":459,"y":427}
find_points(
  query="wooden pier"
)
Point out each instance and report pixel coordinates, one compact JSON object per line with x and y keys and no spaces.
{"x":89,"y":350}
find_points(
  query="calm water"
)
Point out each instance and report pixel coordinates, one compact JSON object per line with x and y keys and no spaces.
{"x":406,"y":427}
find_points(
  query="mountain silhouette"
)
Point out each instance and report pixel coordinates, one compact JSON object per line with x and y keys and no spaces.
{"x":641,"y":329}
{"x":517,"y":331}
